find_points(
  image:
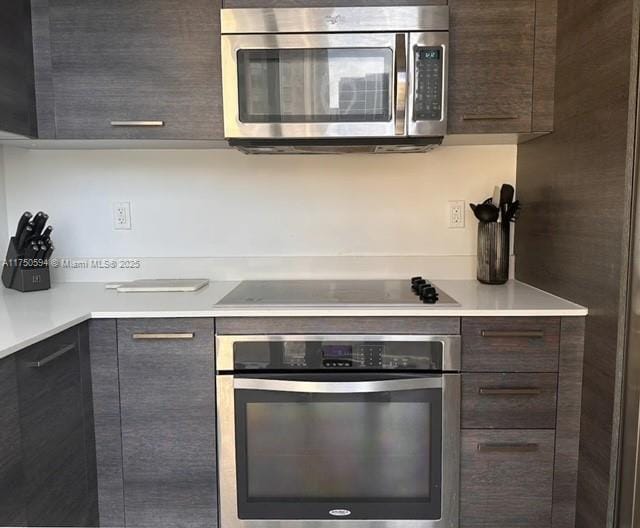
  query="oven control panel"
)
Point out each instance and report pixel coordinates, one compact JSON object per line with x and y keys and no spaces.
{"x":339,"y":355}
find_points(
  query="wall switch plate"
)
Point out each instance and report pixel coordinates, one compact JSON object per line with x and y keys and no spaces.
{"x":122,"y":215}
{"x":456,"y":214}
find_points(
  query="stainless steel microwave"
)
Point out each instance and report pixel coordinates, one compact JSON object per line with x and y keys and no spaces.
{"x":372,"y":78}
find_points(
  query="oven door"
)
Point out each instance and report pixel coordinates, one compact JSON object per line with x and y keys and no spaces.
{"x":371,"y":449}
{"x":314,"y":85}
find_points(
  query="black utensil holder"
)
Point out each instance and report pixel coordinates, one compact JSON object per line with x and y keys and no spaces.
{"x":16,"y":276}
{"x":493,"y":252}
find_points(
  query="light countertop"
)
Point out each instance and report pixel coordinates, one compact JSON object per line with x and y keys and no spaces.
{"x":26,"y":318}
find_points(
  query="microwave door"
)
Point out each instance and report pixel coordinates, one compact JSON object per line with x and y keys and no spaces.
{"x":298,"y":86}
{"x":428,"y":67}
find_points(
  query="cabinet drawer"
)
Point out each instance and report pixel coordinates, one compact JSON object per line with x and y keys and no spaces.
{"x":514,"y":344}
{"x":509,"y":401}
{"x":506,"y":479}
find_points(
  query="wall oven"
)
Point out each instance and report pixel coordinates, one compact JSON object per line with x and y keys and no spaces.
{"x":354,"y":431}
{"x":343,"y":77}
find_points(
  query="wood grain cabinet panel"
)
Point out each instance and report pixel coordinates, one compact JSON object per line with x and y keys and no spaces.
{"x":509,"y":401}
{"x":167,"y":398}
{"x":491,"y":66}
{"x":17,"y":89}
{"x":142,"y":60}
{"x":12,"y":502}
{"x":510,"y":344}
{"x":506,"y":479}
{"x":53,"y":423}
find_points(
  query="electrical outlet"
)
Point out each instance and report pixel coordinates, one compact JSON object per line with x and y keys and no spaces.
{"x":122,"y":215}
{"x":456,"y":214}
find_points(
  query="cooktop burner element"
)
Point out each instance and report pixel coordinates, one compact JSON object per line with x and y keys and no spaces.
{"x":398,"y":293}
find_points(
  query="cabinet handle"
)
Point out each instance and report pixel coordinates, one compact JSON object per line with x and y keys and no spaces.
{"x":488,"y":117}
{"x":537,"y":334}
{"x":185,"y":335}
{"x":51,"y":357}
{"x":137,"y":123}
{"x":507,"y":448}
{"x":486,"y":391}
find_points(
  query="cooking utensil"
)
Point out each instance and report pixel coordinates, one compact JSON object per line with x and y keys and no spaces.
{"x":22,"y":223}
{"x":495,"y":200}
{"x":487,"y":213}
{"x":512,"y":212}
{"x":506,"y":198}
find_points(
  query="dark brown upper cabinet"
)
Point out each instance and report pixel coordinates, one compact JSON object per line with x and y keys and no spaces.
{"x":143,"y":69}
{"x":501,"y":66}
{"x":17,"y":94}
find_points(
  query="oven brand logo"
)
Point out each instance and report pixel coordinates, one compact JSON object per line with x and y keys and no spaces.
{"x":333,"y":19}
{"x":340,"y":513}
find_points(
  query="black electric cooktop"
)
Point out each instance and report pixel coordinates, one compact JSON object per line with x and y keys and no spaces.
{"x":335,"y":293}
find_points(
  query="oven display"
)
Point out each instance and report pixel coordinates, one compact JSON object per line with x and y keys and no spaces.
{"x":337,"y":352}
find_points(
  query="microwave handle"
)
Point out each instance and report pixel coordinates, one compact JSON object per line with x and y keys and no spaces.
{"x":402,"y":82}
{"x":337,"y":387}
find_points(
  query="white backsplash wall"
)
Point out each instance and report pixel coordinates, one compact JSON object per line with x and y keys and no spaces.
{"x":235,"y":216}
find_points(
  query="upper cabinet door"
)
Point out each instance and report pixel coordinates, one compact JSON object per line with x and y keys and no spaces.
{"x":17,"y":93}
{"x":491,"y":66}
{"x":143,"y":69}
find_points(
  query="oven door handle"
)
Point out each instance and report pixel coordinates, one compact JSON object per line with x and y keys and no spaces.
{"x":337,"y":387}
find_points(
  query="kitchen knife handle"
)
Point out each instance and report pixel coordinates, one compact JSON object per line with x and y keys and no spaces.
{"x":22,"y":223}
{"x":26,"y":234}
{"x":490,"y":391}
{"x":182,"y":335}
{"x":507,"y":448}
{"x":52,"y":357}
{"x":537,"y":334}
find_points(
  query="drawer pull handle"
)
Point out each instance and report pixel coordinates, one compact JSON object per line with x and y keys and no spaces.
{"x":51,"y":357}
{"x":488,"y":117}
{"x":137,"y":123}
{"x":507,"y":448}
{"x":529,"y":391}
{"x":184,"y":335}
{"x":537,"y":334}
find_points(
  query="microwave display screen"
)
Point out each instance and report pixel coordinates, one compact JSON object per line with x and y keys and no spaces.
{"x":429,"y":54}
{"x":337,"y":351}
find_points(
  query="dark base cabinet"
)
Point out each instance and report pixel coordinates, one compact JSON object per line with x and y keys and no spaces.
{"x":507,"y":479}
{"x":12,"y":507}
{"x":167,"y":391}
{"x":47,"y":455}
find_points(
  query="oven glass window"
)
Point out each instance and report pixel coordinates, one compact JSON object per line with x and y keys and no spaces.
{"x":376,"y":454}
{"x":315,"y":85}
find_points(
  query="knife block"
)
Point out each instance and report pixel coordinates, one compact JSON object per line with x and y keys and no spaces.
{"x":24,"y":279}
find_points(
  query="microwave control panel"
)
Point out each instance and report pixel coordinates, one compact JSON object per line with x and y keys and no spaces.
{"x":428,"y":74}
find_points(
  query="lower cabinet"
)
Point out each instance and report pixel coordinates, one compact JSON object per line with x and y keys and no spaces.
{"x":167,"y":401}
{"x":12,"y":507}
{"x":506,"y":478}
{"x":56,"y":425}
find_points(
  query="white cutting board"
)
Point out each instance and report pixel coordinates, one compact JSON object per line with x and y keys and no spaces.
{"x":160,"y":285}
